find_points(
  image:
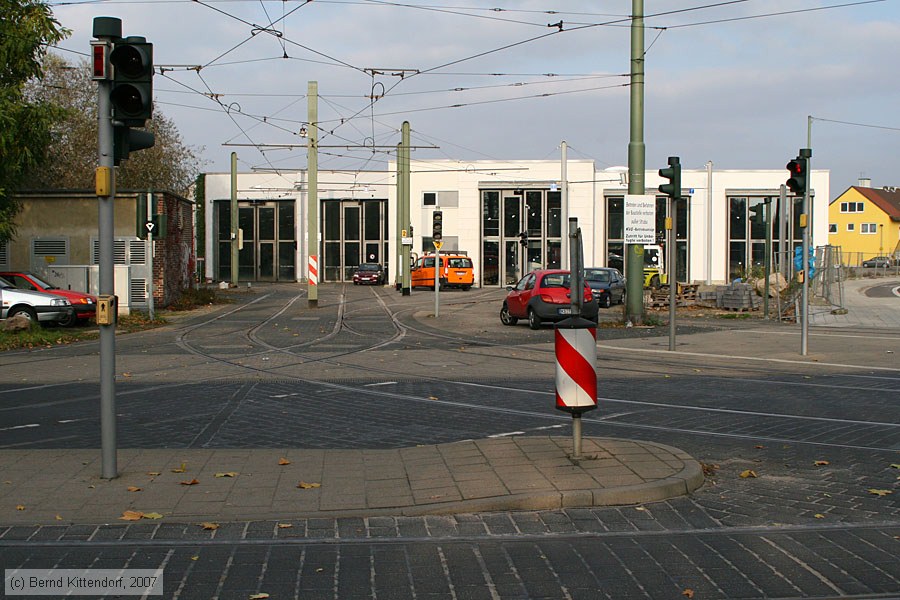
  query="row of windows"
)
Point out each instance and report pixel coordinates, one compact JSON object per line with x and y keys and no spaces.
{"x":851,"y":207}
{"x":864,"y":228}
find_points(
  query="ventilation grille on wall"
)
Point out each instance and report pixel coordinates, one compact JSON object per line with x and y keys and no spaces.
{"x":4,"y":255}
{"x":137,"y":291}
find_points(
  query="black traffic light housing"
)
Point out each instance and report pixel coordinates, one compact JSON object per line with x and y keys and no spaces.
{"x":673,"y":174}
{"x":437,"y":226}
{"x":798,"y":169}
{"x":131,"y":95}
{"x":523,"y":238}
{"x":132,"y":81}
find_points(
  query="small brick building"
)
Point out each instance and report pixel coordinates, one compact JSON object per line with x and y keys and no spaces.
{"x":57,"y":238}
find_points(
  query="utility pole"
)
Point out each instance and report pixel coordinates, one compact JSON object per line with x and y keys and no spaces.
{"x":404,"y":207}
{"x":235,"y":230}
{"x":709,"y":221}
{"x":564,"y":205}
{"x":634,"y":253}
{"x":312,"y":195}
{"x":398,"y":218}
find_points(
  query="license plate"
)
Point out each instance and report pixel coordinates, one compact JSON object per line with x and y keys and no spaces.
{"x":460,"y":273}
{"x":564,"y":311}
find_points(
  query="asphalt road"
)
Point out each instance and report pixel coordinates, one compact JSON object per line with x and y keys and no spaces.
{"x":373,"y":369}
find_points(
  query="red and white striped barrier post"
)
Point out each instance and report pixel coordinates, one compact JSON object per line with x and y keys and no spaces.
{"x":576,"y":379}
{"x":313,"y":272}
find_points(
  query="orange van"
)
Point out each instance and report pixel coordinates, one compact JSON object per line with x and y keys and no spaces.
{"x":456,"y":271}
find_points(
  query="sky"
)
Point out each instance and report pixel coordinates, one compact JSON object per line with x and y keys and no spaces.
{"x":732,"y":82}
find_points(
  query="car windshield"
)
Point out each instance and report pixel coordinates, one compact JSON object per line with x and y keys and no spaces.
{"x":555,"y":280}
{"x":601,"y":276}
{"x":5,"y":284}
{"x":461,"y":263}
{"x":370,"y":267}
{"x":41,"y":282}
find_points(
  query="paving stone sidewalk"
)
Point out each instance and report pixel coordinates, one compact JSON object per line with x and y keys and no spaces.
{"x":509,"y":473}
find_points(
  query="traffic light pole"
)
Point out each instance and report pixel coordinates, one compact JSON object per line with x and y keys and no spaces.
{"x":634,"y":253}
{"x":806,"y":154}
{"x":107,"y":29}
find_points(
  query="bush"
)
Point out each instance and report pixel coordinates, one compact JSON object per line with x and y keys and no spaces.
{"x":194,"y":297}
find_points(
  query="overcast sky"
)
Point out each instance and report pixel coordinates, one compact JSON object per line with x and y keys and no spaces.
{"x":491,"y":80}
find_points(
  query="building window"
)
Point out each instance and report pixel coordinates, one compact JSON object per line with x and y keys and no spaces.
{"x":869,"y":228}
{"x":832,"y":228}
{"x":851,"y":207}
{"x":749,"y":220}
{"x":851,"y":226}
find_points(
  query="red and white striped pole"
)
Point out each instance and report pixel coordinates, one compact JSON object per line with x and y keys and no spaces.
{"x":313,"y":273}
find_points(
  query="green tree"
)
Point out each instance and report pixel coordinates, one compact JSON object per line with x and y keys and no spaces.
{"x":27,"y":28}
{"x":72,"y":152}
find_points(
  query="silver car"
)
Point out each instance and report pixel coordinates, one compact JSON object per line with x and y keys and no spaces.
{"x":35,"y":306}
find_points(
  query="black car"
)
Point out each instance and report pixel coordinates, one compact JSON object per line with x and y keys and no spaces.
{"x":608,"y":285}
{"x":878,"y":261}
{"x":371,"y":273}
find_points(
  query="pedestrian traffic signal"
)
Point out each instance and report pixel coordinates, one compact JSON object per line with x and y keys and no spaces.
{"x":437,"y":226}
{"x":797,"y":181}
{"x":132,"y":83}
{"x":673,"y":174}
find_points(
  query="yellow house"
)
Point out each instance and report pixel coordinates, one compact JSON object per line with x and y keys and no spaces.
{"x":865,"y":222}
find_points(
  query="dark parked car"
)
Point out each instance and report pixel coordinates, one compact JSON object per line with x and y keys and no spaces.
{"x":371,"y":273}
{"x":878,"y":261}
{"x":543,"y":295}
{"x":607,"y":284}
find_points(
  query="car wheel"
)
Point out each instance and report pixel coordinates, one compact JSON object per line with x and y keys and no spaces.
{"x":69,"y":321}
{"x":622,"y":298}
{"x":466,"y":288}
{"x":506,"y":318}
{"x":606,"y":301}
{"x":26,"y":312}
{"x":534,"y":321}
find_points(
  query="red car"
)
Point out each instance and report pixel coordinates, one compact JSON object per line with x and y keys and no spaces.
{"x":85,"y":305}
{"x":543,"y":295}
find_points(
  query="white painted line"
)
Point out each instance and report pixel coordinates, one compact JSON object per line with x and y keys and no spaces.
{"x":509,"y":433}
{"x":756,"y":358}
{"x":380,"y":383}
{"x":835,"y":335}
{"x":21,"y":427}
{"x":286,"y":395}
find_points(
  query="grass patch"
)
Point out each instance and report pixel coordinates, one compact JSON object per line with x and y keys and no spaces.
{"x":744,"y":315}
{"x":43,"y":337}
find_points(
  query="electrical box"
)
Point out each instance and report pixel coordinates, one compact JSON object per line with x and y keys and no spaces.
{"x":106,"y":310}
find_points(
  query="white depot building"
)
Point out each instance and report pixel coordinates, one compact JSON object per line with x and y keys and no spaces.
{"x":487,"y":207}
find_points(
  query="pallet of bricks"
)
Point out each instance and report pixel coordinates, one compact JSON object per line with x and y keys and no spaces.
{"x":659,"y":298}
{"x":739,"y":297}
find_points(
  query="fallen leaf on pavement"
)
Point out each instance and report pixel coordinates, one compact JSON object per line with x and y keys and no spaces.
{"x":131,"y":515}
{"x":748,"y":473}
{"x":821,"y":463}
{"x":261,"y":596}
{"x":133,"y":488}
{"x":153,"y":515}
{"x":195,"y":558}
{"x":154,"y":473}
{"x":191,"y":482}
{"x":20,"y":507}
{"x":641,"y":508}
{"x":308,"y":486}
{"x":59,"y":517}
{"x":759,"y":446}
{"x":228,"y":474}
{"x":819,"y":516}
{"x":285,"y":525}
{"x":210,"y":526}
{"x":895,"y":466}
{"x":180,"y":469}
{"x":126,"y":374}
{"x":283,"y":461}
{"x":880,"y":492}
{"x":432,"y":397}
{"x":688,"y":592}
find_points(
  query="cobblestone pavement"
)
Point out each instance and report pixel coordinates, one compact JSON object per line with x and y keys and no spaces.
{"x":801,"y":453}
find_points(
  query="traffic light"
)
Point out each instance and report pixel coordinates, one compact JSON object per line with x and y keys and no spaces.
{"x":131,"y":94}
{"x":797,"y":181}
{"x":523,"y":238}
{"x":157,"y":223}
{"x":673,"y":174}
{"x":437,"y":226}
{"x":132,"y":82}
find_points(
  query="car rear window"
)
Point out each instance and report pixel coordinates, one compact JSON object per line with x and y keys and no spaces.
{"x":555,"y":281}
{"x":369,"y":267}
{"x":602,"y":276}
{"x":460,"y":263}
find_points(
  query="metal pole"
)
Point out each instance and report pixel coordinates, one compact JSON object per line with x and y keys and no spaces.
{"x":235,"y":255}
{"x":150,"y":303}
{"x":404,"y":207}
{"x":111,"y":28}
{"x":634,"y":253}
{"x":709,"y":222}
{"x":673,"y":283}
{"x":437,"y":281}
{"x":576,"y":435}
{"x":312,"y":194}
{"x":564,"y":258}
{"x":768,"y":259}
{"x":804,"y":307}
